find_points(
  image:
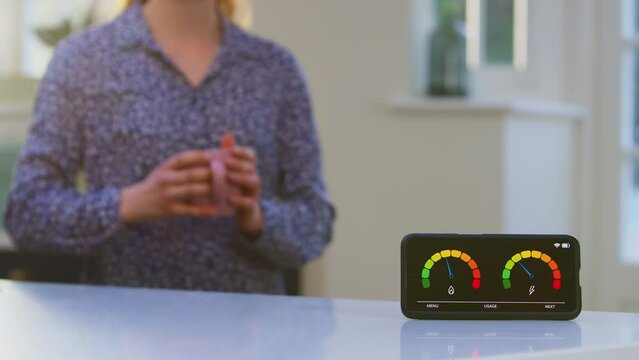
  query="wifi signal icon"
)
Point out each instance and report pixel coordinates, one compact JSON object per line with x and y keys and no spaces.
{"x":557,"y":245}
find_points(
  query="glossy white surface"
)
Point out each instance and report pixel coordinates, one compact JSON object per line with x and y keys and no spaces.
{"x":80,"y":322}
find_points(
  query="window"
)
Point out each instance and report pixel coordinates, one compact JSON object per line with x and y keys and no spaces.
{"x":495,"y":30}
{"x":498,"y":32}
{"x":45,"y":23}
{"x":496,"y":42}
{"x":630,"y":133}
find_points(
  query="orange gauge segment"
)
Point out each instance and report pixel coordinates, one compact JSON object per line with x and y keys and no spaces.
{"x":472,"y":264}
{"x":556,"y":275}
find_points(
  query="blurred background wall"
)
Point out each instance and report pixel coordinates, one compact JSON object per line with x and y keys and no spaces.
{"x":397,"y":163}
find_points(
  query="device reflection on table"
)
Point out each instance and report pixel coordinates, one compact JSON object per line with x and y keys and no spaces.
{"x":445,"y":339}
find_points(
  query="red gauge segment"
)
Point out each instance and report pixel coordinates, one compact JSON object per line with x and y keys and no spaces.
{"x":556,"y":284}
{"x":476,"y":284}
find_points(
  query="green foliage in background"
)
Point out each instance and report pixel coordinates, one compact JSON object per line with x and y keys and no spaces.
{"x":450,"y":9}
{"x":52,"y":35}
{"x":8,"y":156}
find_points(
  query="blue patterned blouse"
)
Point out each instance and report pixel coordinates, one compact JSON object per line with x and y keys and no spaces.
{"x":112,"y":104}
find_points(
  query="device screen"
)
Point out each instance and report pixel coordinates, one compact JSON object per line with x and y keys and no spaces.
{"x":491,"y":273}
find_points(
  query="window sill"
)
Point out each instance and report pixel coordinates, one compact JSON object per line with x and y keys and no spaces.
{"x":486,"y":108}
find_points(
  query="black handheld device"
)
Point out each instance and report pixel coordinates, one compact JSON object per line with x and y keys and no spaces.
{"x":452,"y":276}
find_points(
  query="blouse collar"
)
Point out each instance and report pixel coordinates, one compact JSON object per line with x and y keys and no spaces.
{"x":132,"y":31}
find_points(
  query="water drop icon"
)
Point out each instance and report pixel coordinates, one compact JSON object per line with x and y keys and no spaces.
{"x":451,"y":290}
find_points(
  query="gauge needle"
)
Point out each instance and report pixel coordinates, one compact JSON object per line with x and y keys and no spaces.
{"x":450,"y":273}
{"x":530,"y":275}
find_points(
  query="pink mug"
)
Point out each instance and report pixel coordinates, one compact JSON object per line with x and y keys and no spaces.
{"x":222,"y":189}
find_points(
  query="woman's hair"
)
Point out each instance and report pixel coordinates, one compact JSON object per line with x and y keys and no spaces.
{"x":237,"y":10}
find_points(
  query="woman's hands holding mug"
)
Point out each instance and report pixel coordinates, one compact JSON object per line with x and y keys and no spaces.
{"x":169,"y":190}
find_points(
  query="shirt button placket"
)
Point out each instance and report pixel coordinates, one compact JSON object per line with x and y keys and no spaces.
{"x":193,"y":96}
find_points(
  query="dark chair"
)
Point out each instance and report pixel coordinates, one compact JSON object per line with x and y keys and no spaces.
{"x":47,"y":267}
{"x":71,"y":269}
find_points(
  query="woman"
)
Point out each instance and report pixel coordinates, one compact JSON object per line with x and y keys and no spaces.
{"x":137,"y":104}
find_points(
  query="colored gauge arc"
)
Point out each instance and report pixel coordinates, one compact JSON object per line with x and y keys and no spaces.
{"x":445,"y":256}
{"x":534,"y":254}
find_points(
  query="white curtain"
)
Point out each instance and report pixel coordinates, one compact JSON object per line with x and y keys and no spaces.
{"x":9,"y":36}
{"x":22,"y":54}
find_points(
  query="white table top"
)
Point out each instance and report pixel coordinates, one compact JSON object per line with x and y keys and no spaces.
{"x":40,"y":321}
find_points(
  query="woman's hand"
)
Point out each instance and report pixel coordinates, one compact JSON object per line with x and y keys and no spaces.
{"x":166,"y":191}
{"x":241,"y":168}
